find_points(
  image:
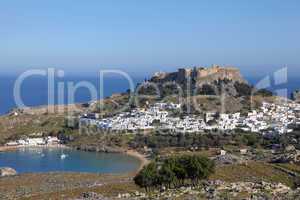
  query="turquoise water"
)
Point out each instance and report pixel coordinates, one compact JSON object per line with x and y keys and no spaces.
{"x":30,"y":160}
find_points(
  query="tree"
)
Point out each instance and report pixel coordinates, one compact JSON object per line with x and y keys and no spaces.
{"x":174,"y":171}
{"x":180,"y":171}
{"x":167,"y":174}
{"x":148,"y":176}
{"x":251,"y":139}
{"x":243,"y":89}
{"x":193,"y":168}
{"x":264,"y":93}
{"x":197,"y":167}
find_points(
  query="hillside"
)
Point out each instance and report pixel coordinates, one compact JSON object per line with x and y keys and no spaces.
{"x":213,"y":89}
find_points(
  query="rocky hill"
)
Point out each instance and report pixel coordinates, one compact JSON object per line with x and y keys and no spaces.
{"x":203,"y":81}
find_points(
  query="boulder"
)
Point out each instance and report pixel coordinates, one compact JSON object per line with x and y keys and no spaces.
{"x":292,"y":157}
{"x":227,"y":159}
{"x":92,"y":196}
{"x":6,"y":171}
{"x":290,"y":148}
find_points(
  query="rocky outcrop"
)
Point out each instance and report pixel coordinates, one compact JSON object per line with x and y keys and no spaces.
{"x":6,"y":171}
{"x":204,"y":81}
{"x":287,"y":157}
{"x":228,"y":159}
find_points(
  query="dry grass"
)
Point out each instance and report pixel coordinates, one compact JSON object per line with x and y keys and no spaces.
{"x":57,"y":185}
{"x":253,"y":171}
{"x":108,"y":190}
{"x":291,"y":167}
{"x":72,"y":185}
{"x":176,"y":151}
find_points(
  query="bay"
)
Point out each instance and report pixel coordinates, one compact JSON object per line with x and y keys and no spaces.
{"x":38,"y":160}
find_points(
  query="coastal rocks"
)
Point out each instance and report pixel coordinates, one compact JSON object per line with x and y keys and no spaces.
{"x":6,"y":171}
{"x":96,"y":148}
{"x":113,"y":150}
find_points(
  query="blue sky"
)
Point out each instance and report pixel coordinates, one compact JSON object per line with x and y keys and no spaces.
{"x":145,"y":36}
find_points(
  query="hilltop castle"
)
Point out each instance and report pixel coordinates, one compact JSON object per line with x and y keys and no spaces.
{"x":201,"y":75}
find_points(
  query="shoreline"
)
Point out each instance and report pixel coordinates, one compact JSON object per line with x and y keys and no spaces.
{"x":141,"y":157}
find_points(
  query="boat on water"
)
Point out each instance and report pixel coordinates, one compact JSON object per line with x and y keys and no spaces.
{"x":63,"y":156}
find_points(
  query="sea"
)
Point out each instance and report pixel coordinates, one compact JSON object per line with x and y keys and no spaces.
{"x":34,"y":90}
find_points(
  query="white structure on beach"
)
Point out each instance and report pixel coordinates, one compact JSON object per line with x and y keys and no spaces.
{"x":34,"y":141}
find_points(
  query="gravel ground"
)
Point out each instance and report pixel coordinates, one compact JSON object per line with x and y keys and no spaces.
{"x":31,"y":185}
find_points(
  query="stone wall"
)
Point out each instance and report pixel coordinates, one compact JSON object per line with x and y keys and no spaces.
{"x":216,"y":73}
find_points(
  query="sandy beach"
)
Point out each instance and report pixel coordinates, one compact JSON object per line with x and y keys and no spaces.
{"x":144,"y":161}
{"x":8,"y":148}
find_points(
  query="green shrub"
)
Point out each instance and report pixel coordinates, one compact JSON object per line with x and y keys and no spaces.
{"x":175,"y":171}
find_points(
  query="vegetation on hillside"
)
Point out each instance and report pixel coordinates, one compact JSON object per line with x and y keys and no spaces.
{"x":175,"y":172}
{"x":209,"y":140}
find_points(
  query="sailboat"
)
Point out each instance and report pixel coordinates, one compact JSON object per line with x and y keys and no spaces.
{"x":63,"y":156}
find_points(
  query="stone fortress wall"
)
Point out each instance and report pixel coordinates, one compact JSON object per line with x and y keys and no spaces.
{"x":201,"y":74}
